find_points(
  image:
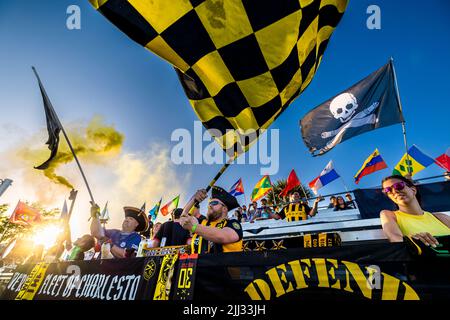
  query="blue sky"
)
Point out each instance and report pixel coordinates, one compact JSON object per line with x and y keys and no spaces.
{"x":99,"y":71}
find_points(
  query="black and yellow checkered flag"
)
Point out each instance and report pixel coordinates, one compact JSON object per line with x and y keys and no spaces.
{"x":241,"y":62}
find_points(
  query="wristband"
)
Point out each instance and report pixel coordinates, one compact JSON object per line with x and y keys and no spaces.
{"x":194,"y":228}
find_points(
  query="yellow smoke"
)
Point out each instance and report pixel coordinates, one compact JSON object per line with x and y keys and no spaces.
{"x":94,"y":143}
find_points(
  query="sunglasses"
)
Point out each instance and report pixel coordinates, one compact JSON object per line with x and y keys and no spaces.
{"x":396,"y":186}
{"x":214,"y":203}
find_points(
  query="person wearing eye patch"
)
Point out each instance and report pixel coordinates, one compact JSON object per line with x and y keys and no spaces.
{"x":215,"y":233}
{"x":410,"y":219}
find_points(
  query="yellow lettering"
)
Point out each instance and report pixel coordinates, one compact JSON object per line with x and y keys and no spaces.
{"x":321,"y":272}
{"x":299,"y":275}
{"x":263,"y":287}
{"x":277,"y":280}
{"x":410,"y":294}
{"x":332,"y":273}
{"x":187,"y":283}
{"x":359,"y":277}
{"x":390,"y":287}
{"x":324,"y":274}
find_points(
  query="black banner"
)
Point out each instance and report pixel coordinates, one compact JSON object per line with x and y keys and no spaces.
{"x":435,"y":197}
{"x":118,"y":279}
{"x":371,"y":271}
{"x":388,"y":271}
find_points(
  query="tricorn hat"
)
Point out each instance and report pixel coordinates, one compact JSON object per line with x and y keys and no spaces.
{"x":139,"y":215}
{"x":229,"y":200}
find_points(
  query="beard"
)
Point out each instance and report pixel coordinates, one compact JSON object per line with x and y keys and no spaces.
{"x":213,"y":215}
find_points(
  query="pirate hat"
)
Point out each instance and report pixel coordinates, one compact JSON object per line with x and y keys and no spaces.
{"x":227,"y":199}
{"x":139,"y":215}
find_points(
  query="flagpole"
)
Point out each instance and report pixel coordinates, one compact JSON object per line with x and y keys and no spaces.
{"x":221,"y":171}
{"x":342,"y":179}
{"x":67,"y":139}
{"x":73,"y":196}
{"x":403,"y":118}
{"x":217,"y":176}
{"x":304,"y":192}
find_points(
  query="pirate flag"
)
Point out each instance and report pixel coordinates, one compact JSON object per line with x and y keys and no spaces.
{"x":241,"y":63}
{"x":370,"y":104}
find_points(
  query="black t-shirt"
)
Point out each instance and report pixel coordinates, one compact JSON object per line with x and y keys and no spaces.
{"x":174,"y":233}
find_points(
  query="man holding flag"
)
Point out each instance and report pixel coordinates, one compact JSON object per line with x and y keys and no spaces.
{"x":216,"y":233}
{"x":297,"y":209}
{"x":123,"y":242}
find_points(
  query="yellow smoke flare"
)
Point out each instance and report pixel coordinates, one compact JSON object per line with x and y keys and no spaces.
{"x":93,"y":143}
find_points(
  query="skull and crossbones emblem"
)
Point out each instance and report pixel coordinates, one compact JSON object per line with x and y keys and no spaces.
{"x":344,"y":106}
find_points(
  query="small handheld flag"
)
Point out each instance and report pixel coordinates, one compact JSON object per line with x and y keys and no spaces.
{"x":237,"y":189}
{"x":326,"y":176}
{"x":104,"y":216}
{"x":417,"y":162}
{"x":261,"y":188}
{"x":64,"y":212}
{"x":443,"y":160}
{"x":373,"y":163}
{"x":170,"y":206}
{"x":154,"y":212}
{"x":291,"y":183}
{"x":25,"y":215}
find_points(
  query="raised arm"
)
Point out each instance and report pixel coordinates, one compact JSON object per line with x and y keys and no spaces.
{"x":96,"y":227}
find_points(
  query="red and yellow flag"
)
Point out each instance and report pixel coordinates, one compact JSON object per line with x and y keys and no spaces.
{"x":25,"y":215}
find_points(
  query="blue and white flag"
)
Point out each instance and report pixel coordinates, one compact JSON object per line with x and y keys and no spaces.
{"x":326,"y":176}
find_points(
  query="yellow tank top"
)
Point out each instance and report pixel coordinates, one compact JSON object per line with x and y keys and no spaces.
{"x":411,"y":224}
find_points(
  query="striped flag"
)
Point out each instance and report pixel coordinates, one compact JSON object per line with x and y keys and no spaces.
{"x":326,"y":176}
{"x":443,"y":160}
{"x":261,"y":188}
{"x":25,"y":215}
{"x":237,"y":189}
{"x":373,"y":163}
{"x":168,"y":207}
{"x":417,"y":162}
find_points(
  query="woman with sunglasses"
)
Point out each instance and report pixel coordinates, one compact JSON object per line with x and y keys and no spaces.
{"x":410,"y":219}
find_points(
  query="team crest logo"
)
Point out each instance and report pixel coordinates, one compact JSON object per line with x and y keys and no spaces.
{"x":149,"y":270}
{"x":236,"y":225}
{"x":123,"y":244}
